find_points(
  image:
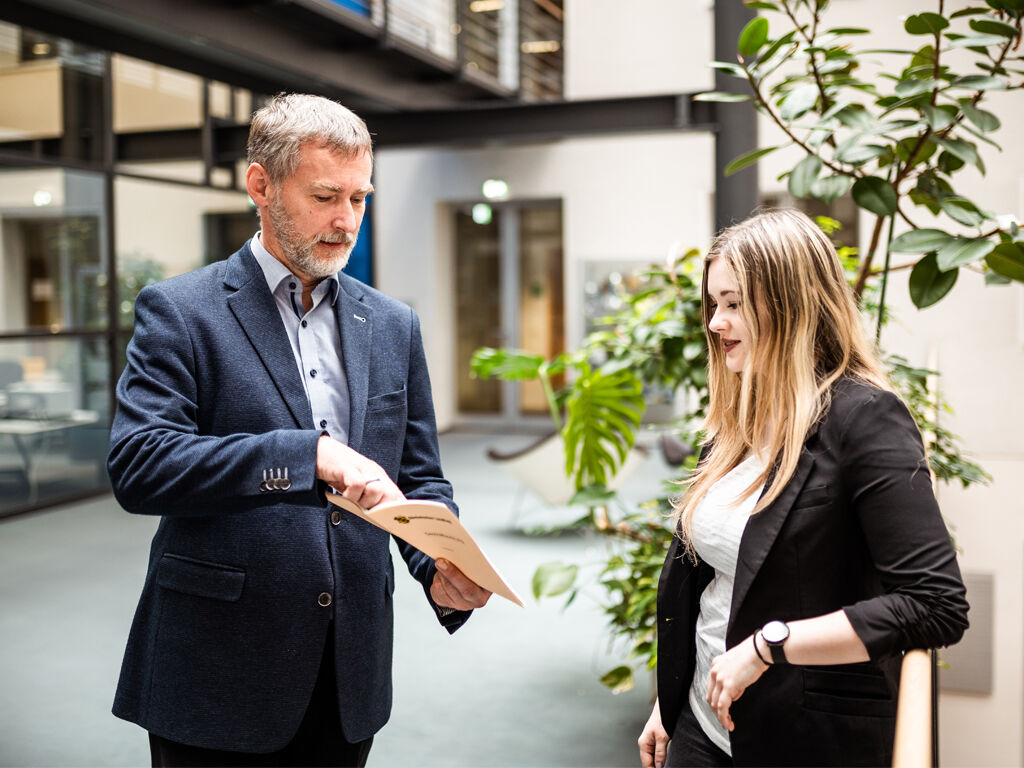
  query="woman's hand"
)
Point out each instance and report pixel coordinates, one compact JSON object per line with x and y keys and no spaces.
{"x":731,"y":674}
{"x":653,"y":742}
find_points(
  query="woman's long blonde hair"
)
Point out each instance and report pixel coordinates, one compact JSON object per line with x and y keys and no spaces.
{"x":805,"y":333}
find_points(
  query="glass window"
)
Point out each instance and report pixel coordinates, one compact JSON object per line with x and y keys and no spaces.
{"x":54,"y":420}
{"x":151,"y":97}
{"x":52,"y":91}
{"x":52,"y":246}
{"x":164,"y":229}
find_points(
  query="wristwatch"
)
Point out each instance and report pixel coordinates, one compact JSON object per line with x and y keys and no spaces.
{"x":775,"y":633}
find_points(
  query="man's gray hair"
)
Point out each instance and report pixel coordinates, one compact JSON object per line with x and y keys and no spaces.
{"x":288,"y":121}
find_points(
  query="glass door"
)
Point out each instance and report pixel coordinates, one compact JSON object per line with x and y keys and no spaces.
{"x":509,"y":292}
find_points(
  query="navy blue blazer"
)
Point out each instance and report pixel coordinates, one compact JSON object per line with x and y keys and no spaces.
{"x":856,"y":528}
{"x":229,"y":632}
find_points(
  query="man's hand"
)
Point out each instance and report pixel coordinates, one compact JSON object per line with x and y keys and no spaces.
{"x":452,"y":589}
{"x":653,"y":742}
{"x":353,"y":475}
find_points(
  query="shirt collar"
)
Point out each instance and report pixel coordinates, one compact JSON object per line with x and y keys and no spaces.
{"x":276,"y":273}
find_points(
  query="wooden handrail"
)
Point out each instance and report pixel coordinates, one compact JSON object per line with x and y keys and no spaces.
{"x":913,"y":745}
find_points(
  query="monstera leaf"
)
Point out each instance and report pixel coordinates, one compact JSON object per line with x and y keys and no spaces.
{"x":604,"y":411}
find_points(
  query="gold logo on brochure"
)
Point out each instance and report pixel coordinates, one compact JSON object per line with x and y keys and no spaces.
{"x":402,"y":519}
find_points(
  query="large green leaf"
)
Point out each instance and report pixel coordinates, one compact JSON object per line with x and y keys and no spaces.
{"x":753,"y":37}
{"x":876,"y":195}
{"x":1006,"y":5}
{"x":962,"y":149}
{"x":721,"y":96}
{"x":553,"y":578}
{"x":925,"y":24}
{"x":962,"y":250}
{"x":619,"y":679}
{"x":603,"y":413}
{"x":858,"y":154}
{"x":986,"y":121}
{"x":922,"y":150}
{"x":977,"y":41}
{"x":928,"y":284}
{"x":508,"y":364}
{"x":990,"y":26}
{"x":962,"y":210}
{"x":978,"y":83}
{"x":914,"y":86}
{"x":831,"y":188}
{"x":804,"y":175}
{"x":798,"y":101}
{"x":939,"y":118}
{"x":920,"y":241}
{"x":1007,"y":259}
{"x":591,"y":496}
{"x":747,"y":159}
{"x":731,"y":67}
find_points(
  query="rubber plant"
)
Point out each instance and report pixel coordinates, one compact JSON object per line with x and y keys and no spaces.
{"x":896,"y":141}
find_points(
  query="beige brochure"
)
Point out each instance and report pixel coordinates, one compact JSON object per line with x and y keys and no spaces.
{"x":434,"y":530}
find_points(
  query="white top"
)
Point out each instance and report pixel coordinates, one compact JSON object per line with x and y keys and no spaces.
{"x":717,"y":527}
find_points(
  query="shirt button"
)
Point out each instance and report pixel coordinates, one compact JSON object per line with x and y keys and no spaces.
{"x":324,"y":599}
{"x":323,"y":423}
{"x":304,"y":323}
{"x":312,"y":373}
{"x":335,"y":517}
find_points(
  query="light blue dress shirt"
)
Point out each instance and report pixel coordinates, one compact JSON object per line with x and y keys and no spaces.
{"x":316,"y":341}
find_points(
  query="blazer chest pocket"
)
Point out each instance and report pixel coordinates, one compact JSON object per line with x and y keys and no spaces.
{"x":386,"y":401}
{"x":200,"y":578}
{"x":847,"y":692}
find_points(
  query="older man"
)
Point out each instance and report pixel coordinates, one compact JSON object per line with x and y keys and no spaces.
{"x":264,"y":632}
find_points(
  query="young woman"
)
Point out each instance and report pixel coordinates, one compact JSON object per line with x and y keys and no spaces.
{"x":811,"y":552}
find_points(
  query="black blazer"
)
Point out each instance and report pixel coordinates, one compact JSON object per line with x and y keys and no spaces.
{"x":857,"y":527}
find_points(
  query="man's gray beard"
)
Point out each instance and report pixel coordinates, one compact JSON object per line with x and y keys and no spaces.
{"x":299,"y":253}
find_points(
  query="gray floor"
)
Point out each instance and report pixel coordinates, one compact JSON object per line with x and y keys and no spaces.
{"x":514,"y":687}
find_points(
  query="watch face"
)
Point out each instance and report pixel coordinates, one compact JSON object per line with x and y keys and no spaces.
{"x":775,"y":632}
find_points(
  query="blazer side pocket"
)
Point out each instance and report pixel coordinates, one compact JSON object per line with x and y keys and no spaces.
{"x":846,"y":692}
{"x":200,"y":578}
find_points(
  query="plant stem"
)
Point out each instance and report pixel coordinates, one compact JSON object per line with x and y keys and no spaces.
{"x":885,"y":281}
{"x":865,"y":266}
{"x":549,"y":395}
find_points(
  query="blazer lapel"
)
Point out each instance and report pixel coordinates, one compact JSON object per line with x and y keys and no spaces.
{"x":762,"y":530}
{"x":253,"y":306}
{"x":356,"y":322}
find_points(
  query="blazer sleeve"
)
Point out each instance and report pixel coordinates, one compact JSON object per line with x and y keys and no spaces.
{"x":159,"y":463}
{"x":889,"y":487}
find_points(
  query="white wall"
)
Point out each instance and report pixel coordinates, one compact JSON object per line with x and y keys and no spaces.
{"x":638,"y":48}
{"x":624,"y":197}
{"x":976,"y":338}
